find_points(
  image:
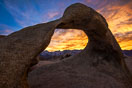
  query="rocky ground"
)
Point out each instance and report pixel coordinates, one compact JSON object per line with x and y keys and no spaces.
{"x":128,"y":60}
{"x":56,"y":57}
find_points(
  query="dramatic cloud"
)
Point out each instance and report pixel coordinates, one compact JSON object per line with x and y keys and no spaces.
{"x":119,"y":17}
{"x":118,"y":14}
{"x":124,"y":39}
{"x":68,"y":39}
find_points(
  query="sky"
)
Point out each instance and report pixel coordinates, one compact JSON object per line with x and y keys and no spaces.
{"x":17,"y":14}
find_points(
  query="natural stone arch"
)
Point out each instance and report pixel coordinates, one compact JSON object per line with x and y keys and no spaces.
{"x":100,"y":62}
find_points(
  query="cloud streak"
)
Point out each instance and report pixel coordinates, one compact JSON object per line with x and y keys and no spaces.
{"x":68,"y":40}
{"x":26,"y":14}
{"x":5,"y":29}
{"x":117,"y":13}
{"x":52,"y":14}
{"x":119,"y":17}
{"x":124,"y":39}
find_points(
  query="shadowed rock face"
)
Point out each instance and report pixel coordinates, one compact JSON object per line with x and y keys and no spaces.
{"x":99,"y":65}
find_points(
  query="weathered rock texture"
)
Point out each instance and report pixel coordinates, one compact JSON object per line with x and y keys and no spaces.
{"x":17,"y":51}
{"x":100,"y":65}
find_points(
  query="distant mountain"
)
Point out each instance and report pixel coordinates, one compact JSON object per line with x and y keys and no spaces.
{"x":127,"y":52}
{"x":45,"y":55}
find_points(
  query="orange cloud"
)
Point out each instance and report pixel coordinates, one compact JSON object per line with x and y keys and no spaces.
{"x":68,"y":40}
{"x":119,"y":17}
{"x":125,"y":40}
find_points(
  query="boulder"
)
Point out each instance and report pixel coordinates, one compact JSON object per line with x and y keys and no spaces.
{"x":100,"y":65}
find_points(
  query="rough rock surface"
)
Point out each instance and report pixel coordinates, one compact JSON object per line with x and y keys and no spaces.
{"x":19,"y":49}
{"x":100,"y":65}
{"x":129,"y":62}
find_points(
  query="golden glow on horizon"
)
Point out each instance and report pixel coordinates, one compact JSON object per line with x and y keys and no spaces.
{"x":119,"y":19}
{"x":72,"y":39}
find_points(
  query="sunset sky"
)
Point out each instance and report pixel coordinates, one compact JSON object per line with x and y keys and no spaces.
{"x":17,"y":14}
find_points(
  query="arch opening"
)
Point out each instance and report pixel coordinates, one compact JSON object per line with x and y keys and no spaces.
{"x":64,"y":43}
{"x":67,"y":39}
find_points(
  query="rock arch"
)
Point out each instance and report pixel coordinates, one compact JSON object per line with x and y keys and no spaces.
{"x":100,"y":64}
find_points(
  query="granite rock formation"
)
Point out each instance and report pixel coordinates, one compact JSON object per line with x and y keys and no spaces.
{"x":19,"y":50}
{"x":100,"y":65}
